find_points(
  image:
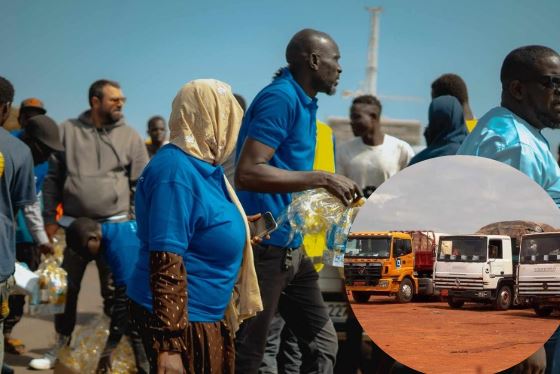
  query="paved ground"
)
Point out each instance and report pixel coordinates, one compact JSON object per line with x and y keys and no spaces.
{"x":431,"y":337}
{"x":38,"y":333}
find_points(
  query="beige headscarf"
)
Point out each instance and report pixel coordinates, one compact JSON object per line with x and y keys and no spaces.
{"x":204,"y":122}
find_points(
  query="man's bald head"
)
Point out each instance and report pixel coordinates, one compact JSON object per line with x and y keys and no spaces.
{"x":303,"y":43}
{"x":313,"y":57}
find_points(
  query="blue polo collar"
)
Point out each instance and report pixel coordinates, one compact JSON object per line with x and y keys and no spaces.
{"x":305,"y":99}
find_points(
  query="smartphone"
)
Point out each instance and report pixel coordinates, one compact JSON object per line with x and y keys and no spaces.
{"x":263,"y":226}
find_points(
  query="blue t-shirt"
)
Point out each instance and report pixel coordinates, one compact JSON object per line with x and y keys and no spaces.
{"x":505,"y":137}
{"x":183,"y":207}
{"x":17,"y":189}
{"x":120,"y":246}
{"x":283,"y":117}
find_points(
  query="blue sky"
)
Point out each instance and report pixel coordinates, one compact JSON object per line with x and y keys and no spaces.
{"x":469,"y":193}
{"x":54,"y":49}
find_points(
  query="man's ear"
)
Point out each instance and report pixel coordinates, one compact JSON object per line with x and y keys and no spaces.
{"x":5,"y":109}
{"x":95,"y":102}
{"x":314,"y":61}
{"x":516,"y":90}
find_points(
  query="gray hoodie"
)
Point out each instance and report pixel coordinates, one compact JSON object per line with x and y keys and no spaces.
{"x":95,"y":174}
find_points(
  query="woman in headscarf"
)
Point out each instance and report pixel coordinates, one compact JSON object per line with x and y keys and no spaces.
{"x":446,"y":129}
{"x":194,"y":238}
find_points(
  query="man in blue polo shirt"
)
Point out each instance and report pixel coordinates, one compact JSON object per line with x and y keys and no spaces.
{"x":275,"y":153}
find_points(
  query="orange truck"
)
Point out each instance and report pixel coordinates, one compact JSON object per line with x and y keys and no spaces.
{"x":395,"y":263}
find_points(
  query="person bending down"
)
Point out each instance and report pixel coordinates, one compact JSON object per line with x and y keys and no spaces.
{"x":120,"y":246}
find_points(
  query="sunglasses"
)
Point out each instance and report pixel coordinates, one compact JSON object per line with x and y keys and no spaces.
{"x":550,"y":81}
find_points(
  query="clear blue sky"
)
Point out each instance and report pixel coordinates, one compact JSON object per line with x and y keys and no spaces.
{"x":54,"y":49}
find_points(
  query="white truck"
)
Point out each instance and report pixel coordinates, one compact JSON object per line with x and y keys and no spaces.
{"x":475,"y":268}
{"x":538,"y":281}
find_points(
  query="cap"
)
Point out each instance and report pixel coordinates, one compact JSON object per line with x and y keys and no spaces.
{"x":33,"y":102}
{"x":44,"y":129}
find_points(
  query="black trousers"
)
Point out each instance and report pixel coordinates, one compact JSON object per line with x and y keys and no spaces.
{"x":121,"y":325}
{"x":293,"y":292}
{"x":75,"y":266}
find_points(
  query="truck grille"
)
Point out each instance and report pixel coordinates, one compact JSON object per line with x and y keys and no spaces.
{"x":539,"y":287}
{"x":368,"y":273}
{"x":458,"y":282}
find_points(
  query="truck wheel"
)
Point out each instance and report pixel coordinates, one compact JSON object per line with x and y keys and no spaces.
{"x":360,"y":296}
{"x":503,"y":298}
{"x":406,"y":291}
{"x":544,"y":311}
{"x":454,"y":303}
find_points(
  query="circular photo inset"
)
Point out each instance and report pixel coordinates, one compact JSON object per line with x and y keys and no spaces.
{"x":453,"y":266}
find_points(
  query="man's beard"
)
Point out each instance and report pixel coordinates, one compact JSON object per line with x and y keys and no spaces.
{"x":331,"y":89}
{"x":547,"y":121}
{"x":112,"y":117}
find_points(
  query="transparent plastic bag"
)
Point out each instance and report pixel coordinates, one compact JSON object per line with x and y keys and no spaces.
{"x":50,"y":297}
{"x":87,"y":344}
{"x":316,"y":211}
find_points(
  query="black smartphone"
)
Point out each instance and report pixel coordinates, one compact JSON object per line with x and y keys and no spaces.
{"x":263,"y":226}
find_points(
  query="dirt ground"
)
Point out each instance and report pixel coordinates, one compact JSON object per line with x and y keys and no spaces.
{"x":433,"y":338}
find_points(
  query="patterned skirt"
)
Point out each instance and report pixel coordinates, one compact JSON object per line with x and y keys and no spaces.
{"x":210,"y":345}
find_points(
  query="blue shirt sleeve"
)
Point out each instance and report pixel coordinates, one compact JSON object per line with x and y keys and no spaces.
{"x":271,"y":118}
{"x":172,"y":218}
{"x":23,"y":187}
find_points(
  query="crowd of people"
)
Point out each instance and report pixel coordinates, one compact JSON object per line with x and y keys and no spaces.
{"x":181,"y":274}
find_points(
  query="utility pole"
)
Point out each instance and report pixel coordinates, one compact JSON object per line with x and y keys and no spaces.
{"x":371,"y":70}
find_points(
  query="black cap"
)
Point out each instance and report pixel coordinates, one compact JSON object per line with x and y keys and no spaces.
{"x":33,"y":103}
{"x":44,"y":129}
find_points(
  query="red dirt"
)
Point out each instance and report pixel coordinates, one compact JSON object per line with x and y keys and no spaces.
{"x":433,"y":338}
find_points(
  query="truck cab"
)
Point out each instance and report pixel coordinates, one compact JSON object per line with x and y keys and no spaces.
{"x":475,"y":268}
{"x":380,"y":263}
{"x":538,"y":281}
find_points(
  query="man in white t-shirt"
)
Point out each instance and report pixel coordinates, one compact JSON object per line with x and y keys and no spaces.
{"x":373,"y":156}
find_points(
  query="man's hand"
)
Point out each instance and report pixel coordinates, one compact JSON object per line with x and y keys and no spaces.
{"x":51,"y":229}
{"x":46,"y":248}
{"x":343,"y":188}
{"x":170,"y":363}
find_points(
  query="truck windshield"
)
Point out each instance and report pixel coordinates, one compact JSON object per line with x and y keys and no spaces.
{"x":540,"y":249}
{"x":369,"y":247}
{"x":462,"y":249}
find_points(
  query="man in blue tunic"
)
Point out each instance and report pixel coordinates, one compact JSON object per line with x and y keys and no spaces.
{"x":511,"y":133}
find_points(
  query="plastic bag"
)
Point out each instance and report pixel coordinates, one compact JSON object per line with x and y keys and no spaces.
{"x":50,"y":297}
{"x":88,"y":343}
{"x":315,"y":211}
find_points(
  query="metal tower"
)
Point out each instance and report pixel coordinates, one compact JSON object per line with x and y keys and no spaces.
{"x":371,"y":70}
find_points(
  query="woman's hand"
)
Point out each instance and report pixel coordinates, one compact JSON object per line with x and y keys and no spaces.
{"x":256,"y":239}
{"x":170,"y":363}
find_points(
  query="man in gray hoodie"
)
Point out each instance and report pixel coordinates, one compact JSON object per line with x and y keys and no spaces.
{"x":94,"y":177}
